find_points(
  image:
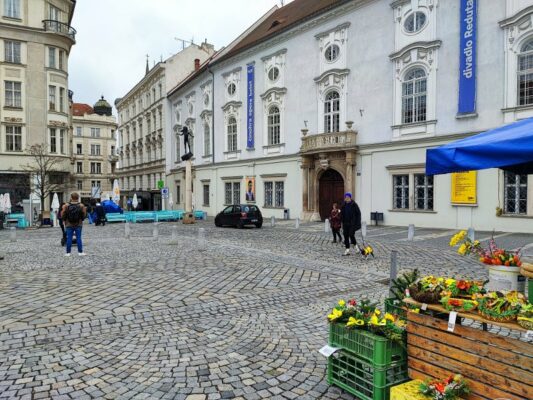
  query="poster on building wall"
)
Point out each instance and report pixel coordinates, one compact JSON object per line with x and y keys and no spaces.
{"x":250,"y":189}
{"x":467,"y":56}
{"x":250,"y":107}
{"x":464,"y":187}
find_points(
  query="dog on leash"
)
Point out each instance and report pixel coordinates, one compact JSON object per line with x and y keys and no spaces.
{"x":367,"y":251}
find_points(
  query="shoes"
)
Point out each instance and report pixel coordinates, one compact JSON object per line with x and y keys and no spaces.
{"x":67,"y":254}
{"x":82,"y":254}
{"x":357,"y":249}
{"x":347,"y":252}
{"x":334,"y":241}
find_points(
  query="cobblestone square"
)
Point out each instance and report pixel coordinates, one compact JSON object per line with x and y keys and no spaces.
{"x":140,"y":318}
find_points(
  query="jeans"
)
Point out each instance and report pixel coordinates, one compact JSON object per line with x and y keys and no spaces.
{"x":349,"y":235}
{"x":70,"y":232}
{"x":336,"y":232}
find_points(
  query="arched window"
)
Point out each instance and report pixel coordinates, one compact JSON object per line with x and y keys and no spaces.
{"x":525,"y":74}
{"x":232,"y":134}
{"x":274,"y":130}
{"x":332,"y":112}
{"x":207,"y":140}
{"x":414,"y":93}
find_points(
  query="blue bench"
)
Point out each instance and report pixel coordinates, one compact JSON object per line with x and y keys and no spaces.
{"x":116,"y":217}
{"x":199,"y":214}
{"x":143,"y":216}
{"x":169,"y":215}
{"x":18,"y":218}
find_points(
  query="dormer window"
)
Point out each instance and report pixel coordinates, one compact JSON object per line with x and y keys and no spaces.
{"x":232,"y":89}
{"x":415,"y":22}
{"x":332,"y":53}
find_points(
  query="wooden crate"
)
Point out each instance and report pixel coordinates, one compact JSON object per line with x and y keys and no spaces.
{"x":495,"y":366}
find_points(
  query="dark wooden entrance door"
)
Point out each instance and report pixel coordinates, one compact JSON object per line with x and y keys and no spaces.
{"x":330,"y":190}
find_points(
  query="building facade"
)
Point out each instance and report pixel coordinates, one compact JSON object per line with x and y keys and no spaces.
{"x":34,"y":105}
{"x":142,"y":118}
{"x":94,"y":149}
{"x":342,"y":96}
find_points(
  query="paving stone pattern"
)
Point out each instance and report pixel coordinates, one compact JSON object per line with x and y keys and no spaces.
{"x":149,"y":318}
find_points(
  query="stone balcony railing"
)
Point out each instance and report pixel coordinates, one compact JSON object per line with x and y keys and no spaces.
{"x":59,"y":27}
{"x":328,"y":141}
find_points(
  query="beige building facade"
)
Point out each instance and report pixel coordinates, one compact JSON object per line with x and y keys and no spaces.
{"x":142,"y":114}
{"x":36,"y":37}
{"x":93,"y":150}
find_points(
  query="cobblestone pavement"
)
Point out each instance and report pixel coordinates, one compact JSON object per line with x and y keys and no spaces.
{"x":242,"y":317}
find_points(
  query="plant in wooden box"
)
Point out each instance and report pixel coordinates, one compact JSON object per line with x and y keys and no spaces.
{"x":525,"y":317}
{"x":450,"y":388}
{"x":461,"y":295}
{"x":501,"y":306}
{"x":427,"y":289}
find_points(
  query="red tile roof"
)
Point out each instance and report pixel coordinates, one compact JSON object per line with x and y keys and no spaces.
{"x":80,"y":109}
{"x":283,"y":19}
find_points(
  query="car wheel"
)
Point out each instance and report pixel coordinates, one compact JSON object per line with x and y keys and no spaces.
{"x":259,"y":225}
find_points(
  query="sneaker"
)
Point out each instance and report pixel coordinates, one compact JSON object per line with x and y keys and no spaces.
{"x":347,"y":252}
{"x":82,"y":254}
{"x":67,"y":254}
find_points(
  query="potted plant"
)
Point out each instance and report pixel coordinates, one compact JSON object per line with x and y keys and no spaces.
{"x":450,"y":388}
{"x":427,"y":289}
{"x":504,"y":265}
{"x":501,"y":306}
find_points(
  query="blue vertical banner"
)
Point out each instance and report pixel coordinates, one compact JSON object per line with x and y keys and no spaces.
{"x":467,"y":64}
{"x":250,"y":106}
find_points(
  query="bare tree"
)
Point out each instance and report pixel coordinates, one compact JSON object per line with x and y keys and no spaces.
{"x":47,"y":172}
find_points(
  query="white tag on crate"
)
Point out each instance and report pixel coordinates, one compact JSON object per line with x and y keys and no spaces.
{"x":424,"y":307}
{"x":529,"y":335}
{"x":451,"y":321}
{"x":328,"y":350}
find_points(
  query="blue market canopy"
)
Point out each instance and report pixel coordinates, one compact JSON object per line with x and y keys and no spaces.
{"x":509,"y":147}
{"x":111,"y":207}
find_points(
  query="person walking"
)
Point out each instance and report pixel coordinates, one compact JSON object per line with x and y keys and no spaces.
{"x":73,"y":213}
{"x":351,"y":222}
{"x":100,"y":214}
{"x":335,"y":223}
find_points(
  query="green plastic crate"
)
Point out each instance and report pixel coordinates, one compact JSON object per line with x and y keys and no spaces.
{"x":364,"y":380}
{"x":377,"y":350}
{"x":395,"y":307}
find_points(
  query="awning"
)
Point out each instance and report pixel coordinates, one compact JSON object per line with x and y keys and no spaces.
{"x":509,"y":147}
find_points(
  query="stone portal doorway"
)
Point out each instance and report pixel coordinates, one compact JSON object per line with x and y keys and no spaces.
{"x":330,"y":190}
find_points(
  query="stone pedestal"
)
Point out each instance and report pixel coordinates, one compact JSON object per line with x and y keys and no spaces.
{"x":188,"y":218}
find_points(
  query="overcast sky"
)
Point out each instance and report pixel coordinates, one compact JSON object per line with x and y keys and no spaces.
{"x":114,"y":37}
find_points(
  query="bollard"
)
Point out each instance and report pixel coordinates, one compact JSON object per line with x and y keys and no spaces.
{"x":202,"y":243}
{"x":127,"y":230}
{"x":272,"y":221}
{"x":174,"y":230}
{"x":471,"y":234}
{"x":411,"y":232}
{"x":326,"y":225}
{"x":363,"y":229}
{"x":297,"y":223}
{"x":204,"y":217}
{"x":155,"y":231}
{"x":12,"y":234}
{"x":393,"y":269}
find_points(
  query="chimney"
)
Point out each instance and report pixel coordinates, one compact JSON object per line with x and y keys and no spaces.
{"x":196,"y":64}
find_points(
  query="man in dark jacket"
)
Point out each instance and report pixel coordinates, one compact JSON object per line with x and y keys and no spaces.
{"x":351,"y":222}
{"x":73,"y":213}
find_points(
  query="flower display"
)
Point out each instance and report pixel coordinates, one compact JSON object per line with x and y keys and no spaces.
{"x":501,"y":306}
{"x":448,"y":389}
{"x":525,"y":317}
{"x":428,"y":289}
{"x":463,"y":288}
{"x":492,"y":255}
{"x":450,"y":303}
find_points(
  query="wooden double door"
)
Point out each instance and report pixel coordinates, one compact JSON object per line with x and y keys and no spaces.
{"x":330,"y":190}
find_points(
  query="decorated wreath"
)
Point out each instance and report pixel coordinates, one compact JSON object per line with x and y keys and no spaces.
{"x":427,"y":289}
{"x":448,"y":389}
{"x":525,"y":317}
{"x":501,"y":306}
{"x":464,"y":288}
{"x":458,"y":304}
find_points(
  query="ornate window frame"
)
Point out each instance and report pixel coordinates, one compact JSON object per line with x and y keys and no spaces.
{"x":337,"y":36}
{"x":232,"y":109}
{"x":423,"y":55}
{"x":518,"y":30}
{"x":233,"y":76}
{"x":274,"y":97}
{"x":274,"y":60}
{"x":335,"y":79}
{"x":206,"y":120}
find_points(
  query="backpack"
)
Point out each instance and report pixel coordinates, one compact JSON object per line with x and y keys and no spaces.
{"x":74,"y":214}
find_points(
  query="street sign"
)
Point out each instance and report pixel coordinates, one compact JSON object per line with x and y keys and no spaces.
{"x":164,"y":193}
{"x":160,"y":184}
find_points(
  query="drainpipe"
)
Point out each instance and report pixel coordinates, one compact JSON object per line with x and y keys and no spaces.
{"x":212,"y":115}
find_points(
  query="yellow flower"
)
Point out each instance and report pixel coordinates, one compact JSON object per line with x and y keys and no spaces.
{"x":462,"y":249}
{"x":450,"y":281}
{"x":476,"y":242}
{"x":352,"y":321}
{"x":377,"y":312}
{"x":400,"y":323}
{"x":342,"y":303}
{"x":374,"y":320}
{"x":383,"y":322}
{"x":462,"y":234}
{"x":335,"y":314}
{"x":440,"y":280}
{"x":389,"y":317}
{"x":416,"y":310}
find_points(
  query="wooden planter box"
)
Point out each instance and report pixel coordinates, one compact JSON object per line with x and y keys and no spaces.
{"x":495,"y":366}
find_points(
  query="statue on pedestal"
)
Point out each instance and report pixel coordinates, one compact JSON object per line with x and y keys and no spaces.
{"x":186,"y":144}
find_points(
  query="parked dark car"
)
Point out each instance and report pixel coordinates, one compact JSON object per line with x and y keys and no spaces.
{"x":239,"y":215}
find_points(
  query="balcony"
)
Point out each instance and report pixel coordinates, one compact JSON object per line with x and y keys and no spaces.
{"x":60,"y":28}
{"x":329,"y":142}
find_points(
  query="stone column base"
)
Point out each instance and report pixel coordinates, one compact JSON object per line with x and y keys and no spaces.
{"x":188,"y":218}
{"x":310,"y":216}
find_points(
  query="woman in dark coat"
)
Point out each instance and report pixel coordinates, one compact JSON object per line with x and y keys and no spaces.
{"x":351,"y":222}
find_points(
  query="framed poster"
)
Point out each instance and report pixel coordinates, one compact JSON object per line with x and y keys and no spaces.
{"x":250,"y":189}
{"x":464,"y":188}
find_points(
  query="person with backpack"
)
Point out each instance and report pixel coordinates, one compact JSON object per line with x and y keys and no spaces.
{"x":73,"y":213}
{"x":351,"y":222}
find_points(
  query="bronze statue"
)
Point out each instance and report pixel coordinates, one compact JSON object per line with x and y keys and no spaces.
{"x":186,"y":144}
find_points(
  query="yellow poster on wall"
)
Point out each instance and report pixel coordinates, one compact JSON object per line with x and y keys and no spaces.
{"x":464,"y":187}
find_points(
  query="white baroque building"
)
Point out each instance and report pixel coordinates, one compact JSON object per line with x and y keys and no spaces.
{"x":348,"y":96}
